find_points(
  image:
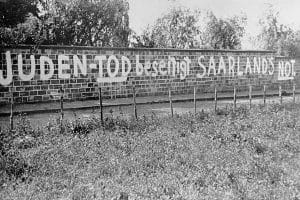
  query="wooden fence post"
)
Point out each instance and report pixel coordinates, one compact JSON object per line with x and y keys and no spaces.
{"x":234,"y":96}
{"x":250,"y":96}
{"x":264,"y":95}
{"x":280,"y":94}
{"x":134,"y":103}
{"x":294,"y":93}
{"x":11,"y":119}
{"x":171,"y":104}
{"x":216,"y":98}
{"x":61,"y":108}
{"x":195,"y":100}
{"x":101,"y":106}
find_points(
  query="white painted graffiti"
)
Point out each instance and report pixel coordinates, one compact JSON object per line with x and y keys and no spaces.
{"x":286,"y":70}
{"x":113,"y":69}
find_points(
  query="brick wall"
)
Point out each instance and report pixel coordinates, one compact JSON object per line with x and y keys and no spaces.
{"x":158,"y":70}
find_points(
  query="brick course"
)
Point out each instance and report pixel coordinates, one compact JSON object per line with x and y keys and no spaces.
{"x":85,"y":87}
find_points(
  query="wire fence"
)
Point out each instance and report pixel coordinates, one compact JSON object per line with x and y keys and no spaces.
{"x":232,"y":96}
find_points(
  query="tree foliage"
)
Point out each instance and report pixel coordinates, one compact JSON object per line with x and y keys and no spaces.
{"x":13,"y":12}
{"x":183,"y":28}
{"x":76,"y":22}
{"x":225,"y":33}
{"x":93,"y":23}
{"x":176,"y":29}
{"x":29,"y":32}
{"x":276,"y":36}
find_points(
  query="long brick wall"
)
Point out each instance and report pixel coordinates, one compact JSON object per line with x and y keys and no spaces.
{"x":81,"y":70}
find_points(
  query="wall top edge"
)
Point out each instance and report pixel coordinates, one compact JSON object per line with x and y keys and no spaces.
{"x":32,"y":47}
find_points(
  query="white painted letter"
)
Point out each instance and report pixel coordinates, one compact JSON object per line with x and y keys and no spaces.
{"x":124,"y":61}
{"x":8,"y":79}
{"x":231,"y":63}
{"x":23,"y":76}
{"x":221,"y":66}
{"x":188,"y":63}
{"x":147,"y":67}
{"x":287,"y":69}
{"x":212,"y":66}
{"x":183,"y":69}
{"x":162,"y":65}
{"x":271,"y":72}
{"x":280,"y":69}
{"x":264,"y":66}
{"x":202,"y":66}
{"x":100,"y":59}
{"x":43,"y":60}
{"x":82,"y":65}
{"x":248,"y":66}
{"x":63,"y":66}
{"x":239,"y":73}
{"x":154,"y":66}
{"x":110,"y":59}
{"x":138,"y":66}
{"x":257,"y":66}
{"x":172,"y":62}
{"x":293,"y":68}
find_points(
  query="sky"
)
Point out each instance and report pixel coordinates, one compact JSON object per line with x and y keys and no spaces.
{"x":144,"y":12}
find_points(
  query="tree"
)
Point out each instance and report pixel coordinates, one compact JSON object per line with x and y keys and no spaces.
{"x":90,"y":22}
{"x":176,"y":29}
{"x":74,"y":22}
{"x":182,"y":28}
{"x":13,"y":12}
{"x":29,"y":32}
{"x":225,"y":33}
{"x":145,"y":40}
{"x":275,"y":36}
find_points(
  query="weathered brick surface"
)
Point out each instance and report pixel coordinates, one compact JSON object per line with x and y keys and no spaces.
{"x":86,"y":87}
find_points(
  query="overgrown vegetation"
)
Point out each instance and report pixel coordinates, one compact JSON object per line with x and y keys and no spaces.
{"x":238,"y":154}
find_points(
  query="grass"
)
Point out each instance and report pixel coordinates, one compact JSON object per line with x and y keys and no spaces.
{"x":229,"y":155}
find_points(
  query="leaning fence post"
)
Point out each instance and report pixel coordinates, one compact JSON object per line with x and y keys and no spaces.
{"x":171,"y":104}
{"x":134,"y":102}
{"x":101,"y":106}
{"x":294,"y":91}
{"x":234,"y":96}
{"x":61,"y":108}
{"x":250,"y":96}
{"x":11,"y":109}
{"x":195,"y":100}
{"x":216,"y":98}
{"x":264,"y":95}
{"x":280,"y":94}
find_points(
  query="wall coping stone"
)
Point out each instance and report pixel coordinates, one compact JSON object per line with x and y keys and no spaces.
{"x":130,"y":49}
